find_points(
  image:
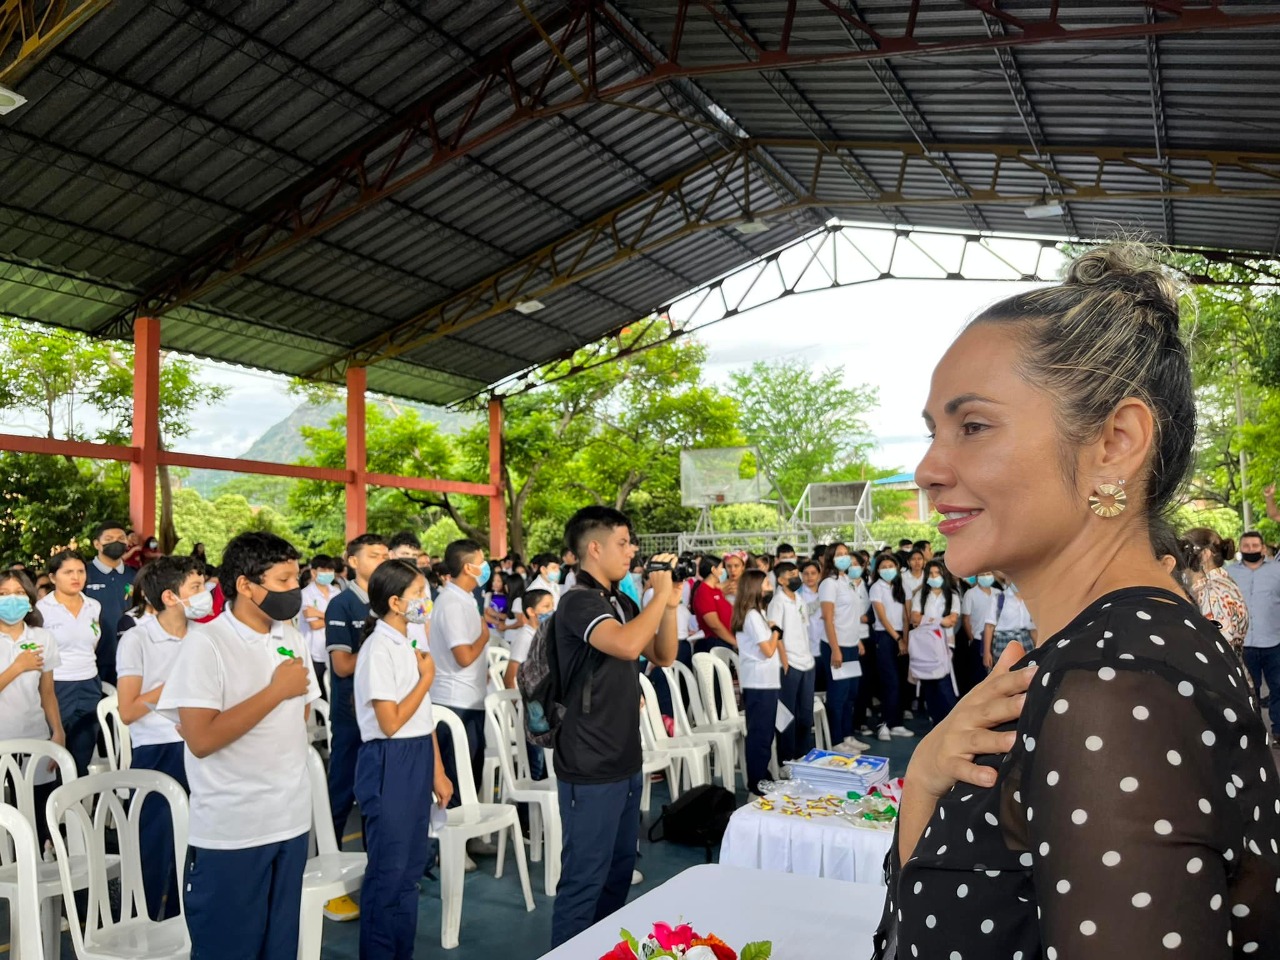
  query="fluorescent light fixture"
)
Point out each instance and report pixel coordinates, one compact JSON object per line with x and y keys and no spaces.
{"x":530,"y":306}
{"x":10,"y":101}
{"x":1044,"y":210}
{"x":748,"y":227}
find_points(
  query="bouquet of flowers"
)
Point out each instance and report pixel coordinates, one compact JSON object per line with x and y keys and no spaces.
{"x":681,"y":943}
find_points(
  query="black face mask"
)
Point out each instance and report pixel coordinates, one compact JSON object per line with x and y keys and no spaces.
{"x":281,"y":604}
{"x":1250,"y":557}
{"x":793,"y":584}
{"x":114,"y":551}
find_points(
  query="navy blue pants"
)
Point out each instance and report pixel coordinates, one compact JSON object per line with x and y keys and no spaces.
{"x":886,"y":654}
{"x":797,"y":696}
{"x":345,"y":747}
{"x":155,"y":830}
{"x":684,"y":654}
{"x":393,"y":787}
{"x":244,"y":903}
{"x":600,"y":825}
{"x":939,"y":697}
{"x":473,"y":723}
{"x":78,"y":705}
{"x":1265,"y":662}
{"x":841,"y":694}
{"x":761,"y":707}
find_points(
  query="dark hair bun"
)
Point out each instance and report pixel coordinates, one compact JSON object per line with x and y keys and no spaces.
{"x":1131,"y":268}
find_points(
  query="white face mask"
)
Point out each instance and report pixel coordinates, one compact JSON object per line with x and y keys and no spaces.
{"x":198,"y":606}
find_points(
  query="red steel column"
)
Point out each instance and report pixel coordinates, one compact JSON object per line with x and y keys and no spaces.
{"x":357,"y":460}
{"x":497,"y":505}
{"x":146,"y":425}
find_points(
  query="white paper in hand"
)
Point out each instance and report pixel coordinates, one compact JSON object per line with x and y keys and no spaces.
{"x":438,"y":819}
{"x":848,"y":670}
{"x":784,"y":717}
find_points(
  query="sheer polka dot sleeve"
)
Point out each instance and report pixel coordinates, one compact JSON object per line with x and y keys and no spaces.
{"x":1131,"y":814}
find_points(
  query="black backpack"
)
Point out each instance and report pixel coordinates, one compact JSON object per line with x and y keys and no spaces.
{"x":698,"y":818}
{"x":538,"y":680}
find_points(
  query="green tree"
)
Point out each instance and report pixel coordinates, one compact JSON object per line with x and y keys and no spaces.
{"x":809,"y":424}
{"x":51,"y":373}
{"x":215,"y":522}
{"x":51,"y":503}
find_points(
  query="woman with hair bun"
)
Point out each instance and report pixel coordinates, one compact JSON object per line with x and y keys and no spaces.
{"x":1110,"y":793}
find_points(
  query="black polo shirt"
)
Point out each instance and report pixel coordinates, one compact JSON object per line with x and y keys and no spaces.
{"x":602,"y":746}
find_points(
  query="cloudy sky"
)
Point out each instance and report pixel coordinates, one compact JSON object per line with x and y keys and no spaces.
{"x":888,"y":333}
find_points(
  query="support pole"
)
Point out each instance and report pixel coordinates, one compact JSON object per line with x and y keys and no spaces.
{"x":146,"y":425}
{"x":497,"y":504}
{"x":357,"y":461}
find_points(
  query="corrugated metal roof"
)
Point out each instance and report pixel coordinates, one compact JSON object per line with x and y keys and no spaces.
{"x":162,"y":126}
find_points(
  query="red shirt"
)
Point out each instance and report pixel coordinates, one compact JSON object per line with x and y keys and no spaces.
{"x":709,"y":599}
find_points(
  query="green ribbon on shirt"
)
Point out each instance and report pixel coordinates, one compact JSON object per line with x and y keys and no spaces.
{"x":30,"y":646}
{"x":285,"y":652}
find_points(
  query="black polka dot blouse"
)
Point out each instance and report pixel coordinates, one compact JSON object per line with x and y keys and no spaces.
{"x":1138,"y":815}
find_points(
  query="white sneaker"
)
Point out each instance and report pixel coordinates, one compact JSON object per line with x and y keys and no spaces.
{"x":898,"y":731}
{"x":636,"y":877}
{"x":883,"y":733}
{"x":858,"y":744}
{"x":865,"y":731}
{"x":908,"y":715}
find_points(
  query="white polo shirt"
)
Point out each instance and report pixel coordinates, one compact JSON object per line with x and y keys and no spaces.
{"x":932,"y":607}
{"x":521,"y":639}
{"x":387,"y":669}
{"x":149,"y":652}
{"x":808,"y":600}
{"x":882,"y":593}
{"x":1011,"y":615}
{"x":790,"y":616}
{"x":542,"y":583}
{"x":77,"y":636}
{"x":849,"y":607}
{"x":977,"y":604}
{"x":455,"y":622}
{"x":21,"y":713}
{"x":312,"y":596}
{"x":255,"y":790}
{"x":755,"y":670}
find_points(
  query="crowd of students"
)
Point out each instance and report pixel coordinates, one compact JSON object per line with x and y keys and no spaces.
{"x":215,"y":670}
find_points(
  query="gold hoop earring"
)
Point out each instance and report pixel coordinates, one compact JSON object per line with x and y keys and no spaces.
{"x":1109,"y":500}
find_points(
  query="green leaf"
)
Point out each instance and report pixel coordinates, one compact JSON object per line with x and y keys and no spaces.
{"x":631,"y":941}
{"x":760,"y":950}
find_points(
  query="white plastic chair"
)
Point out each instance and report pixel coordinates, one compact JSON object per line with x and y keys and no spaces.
{"x":24,"y":763}
{"x":821,"y":725}
{"x":499,"y":657}
{"x":469,"y":819}
{"x":656,"y":761}
{"x":98,"y":763}
{"x":22,"y":854}
{"x":728,"y":656}
{"x":722,"y":738}
{"x":115,"y":733}
{"x":318,"y":724}
{"x":84,"y":809}
{"x":692,"y":756}
{"x":503,"y":713}
{"x":330,"y":872}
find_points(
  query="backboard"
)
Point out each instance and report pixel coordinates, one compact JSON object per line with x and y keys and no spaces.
{"x":721,"y":475}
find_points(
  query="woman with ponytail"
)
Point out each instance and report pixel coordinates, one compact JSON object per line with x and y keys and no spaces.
{"x":1218,"y":596}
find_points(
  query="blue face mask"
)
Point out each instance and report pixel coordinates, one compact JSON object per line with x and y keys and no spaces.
{"x":935,"y":582}
{"x":724,"y":574}
{"x":483,"y":576}
{"x":14,"y":608}
{"x":552,"y":576}
{"x":971,"y":580}
{"x":843,"y":563}
{"x":544,"y":617}
{"x":855,"y":573}
{"x":325,"y":578}
{"x":889,"y":574}
{"x":986,"y":580}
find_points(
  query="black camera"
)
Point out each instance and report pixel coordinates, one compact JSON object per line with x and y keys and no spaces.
{"x":681,"y":570}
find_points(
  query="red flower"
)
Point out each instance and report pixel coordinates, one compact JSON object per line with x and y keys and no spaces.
{"x":621,"y":952}
{"x":721,"y":949}
{"x":668,"y":939}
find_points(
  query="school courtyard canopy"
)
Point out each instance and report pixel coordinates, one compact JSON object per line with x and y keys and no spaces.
{"x":426,"y":198}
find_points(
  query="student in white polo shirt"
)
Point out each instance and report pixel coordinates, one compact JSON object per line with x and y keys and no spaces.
{"x":28,"y":656}
{"x":72,"y":618}
{"x":459,"y":636}
{"x":173,"y":587}
{"x":398,"y":764}
{"x":241,"y":687}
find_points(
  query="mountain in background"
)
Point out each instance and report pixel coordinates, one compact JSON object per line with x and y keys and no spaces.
{"x":283,"y":442}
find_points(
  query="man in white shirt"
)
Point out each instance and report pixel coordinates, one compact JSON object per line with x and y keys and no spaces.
{"x":459,"y":636}
{"x":546,"y":569}
{"x":241,"y":689}
{"x":174,"y":587}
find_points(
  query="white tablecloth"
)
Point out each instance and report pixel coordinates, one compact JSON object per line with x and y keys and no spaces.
{"x":805,"y":917}
{"x":815,"y":847}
